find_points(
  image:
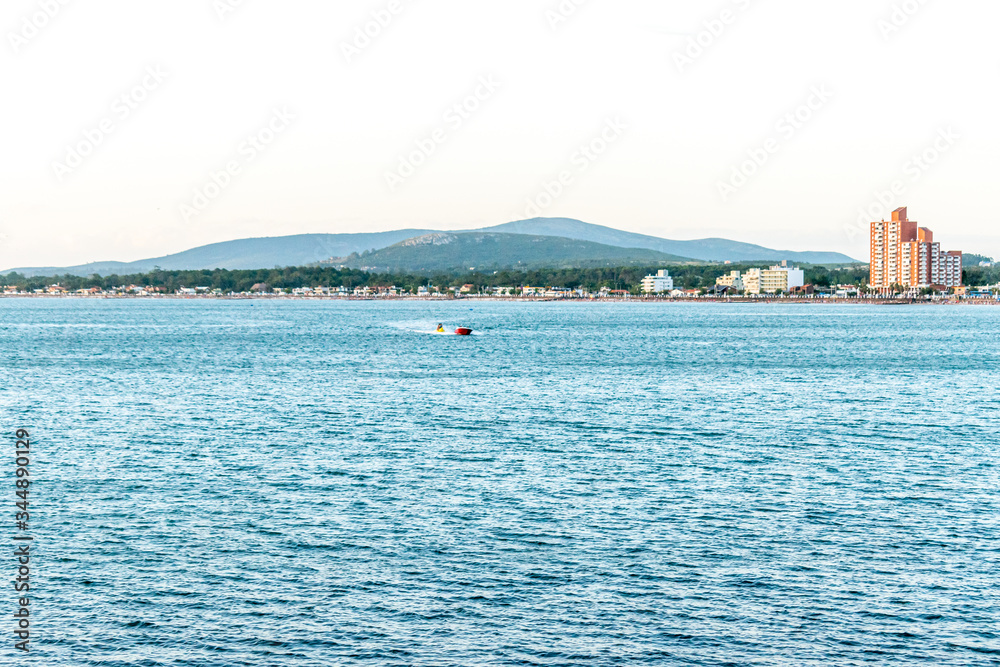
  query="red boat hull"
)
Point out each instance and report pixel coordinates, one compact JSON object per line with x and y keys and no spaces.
{"x":462,"y":331}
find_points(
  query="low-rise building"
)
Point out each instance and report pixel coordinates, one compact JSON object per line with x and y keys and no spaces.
{"x":845,"y":291}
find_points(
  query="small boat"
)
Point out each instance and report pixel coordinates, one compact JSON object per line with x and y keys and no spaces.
{"x":463,"y":331}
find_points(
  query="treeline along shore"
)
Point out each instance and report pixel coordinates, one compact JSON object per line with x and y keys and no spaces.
{"x":591,"y":280}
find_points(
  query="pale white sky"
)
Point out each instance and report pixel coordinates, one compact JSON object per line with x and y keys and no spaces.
{"x":678,"y":127}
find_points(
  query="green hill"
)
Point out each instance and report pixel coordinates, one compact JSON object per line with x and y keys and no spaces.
{"x":709,"y":250}
{"x":972,"y":259}
{"x":486,"y":251}
{"x":305,"y":249}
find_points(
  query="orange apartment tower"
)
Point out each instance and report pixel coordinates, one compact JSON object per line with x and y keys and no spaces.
{"x":904,"y":254}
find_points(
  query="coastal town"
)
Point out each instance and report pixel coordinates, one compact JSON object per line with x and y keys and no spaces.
{"x":906,"y":265}
{"x":780,"y":282}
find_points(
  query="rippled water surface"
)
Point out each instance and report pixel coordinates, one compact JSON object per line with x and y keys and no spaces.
{"x":265,"y":483}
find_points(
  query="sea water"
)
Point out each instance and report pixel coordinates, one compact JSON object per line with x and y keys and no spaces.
{"x":325,"y":483}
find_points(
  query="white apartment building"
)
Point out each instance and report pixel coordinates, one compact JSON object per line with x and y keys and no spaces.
{"x":781,"y":279}
{"x":658,"y":284}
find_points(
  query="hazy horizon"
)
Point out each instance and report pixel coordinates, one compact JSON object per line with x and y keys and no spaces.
{"x":141,"y":131}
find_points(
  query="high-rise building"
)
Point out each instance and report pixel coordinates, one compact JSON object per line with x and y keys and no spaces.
{"x":907,"y":255}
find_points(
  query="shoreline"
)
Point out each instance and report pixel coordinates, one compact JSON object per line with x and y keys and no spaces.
{"x":862,"y":301}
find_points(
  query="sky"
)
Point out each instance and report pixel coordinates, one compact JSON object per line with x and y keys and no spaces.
{"x":137,"y":129}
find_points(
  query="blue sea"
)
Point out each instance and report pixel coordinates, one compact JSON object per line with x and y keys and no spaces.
{"x":277,"y":483}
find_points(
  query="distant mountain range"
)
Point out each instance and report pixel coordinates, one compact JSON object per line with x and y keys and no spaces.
{"x":304,"y":249}
{"x":706,"y":250}
{"x":488,"y":251}
{"x":259,"y":253}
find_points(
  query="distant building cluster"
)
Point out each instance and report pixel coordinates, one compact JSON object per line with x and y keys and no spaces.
{"x":780,"y":279}
{"x":907,"y":256}
{"x":59,"y":290}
